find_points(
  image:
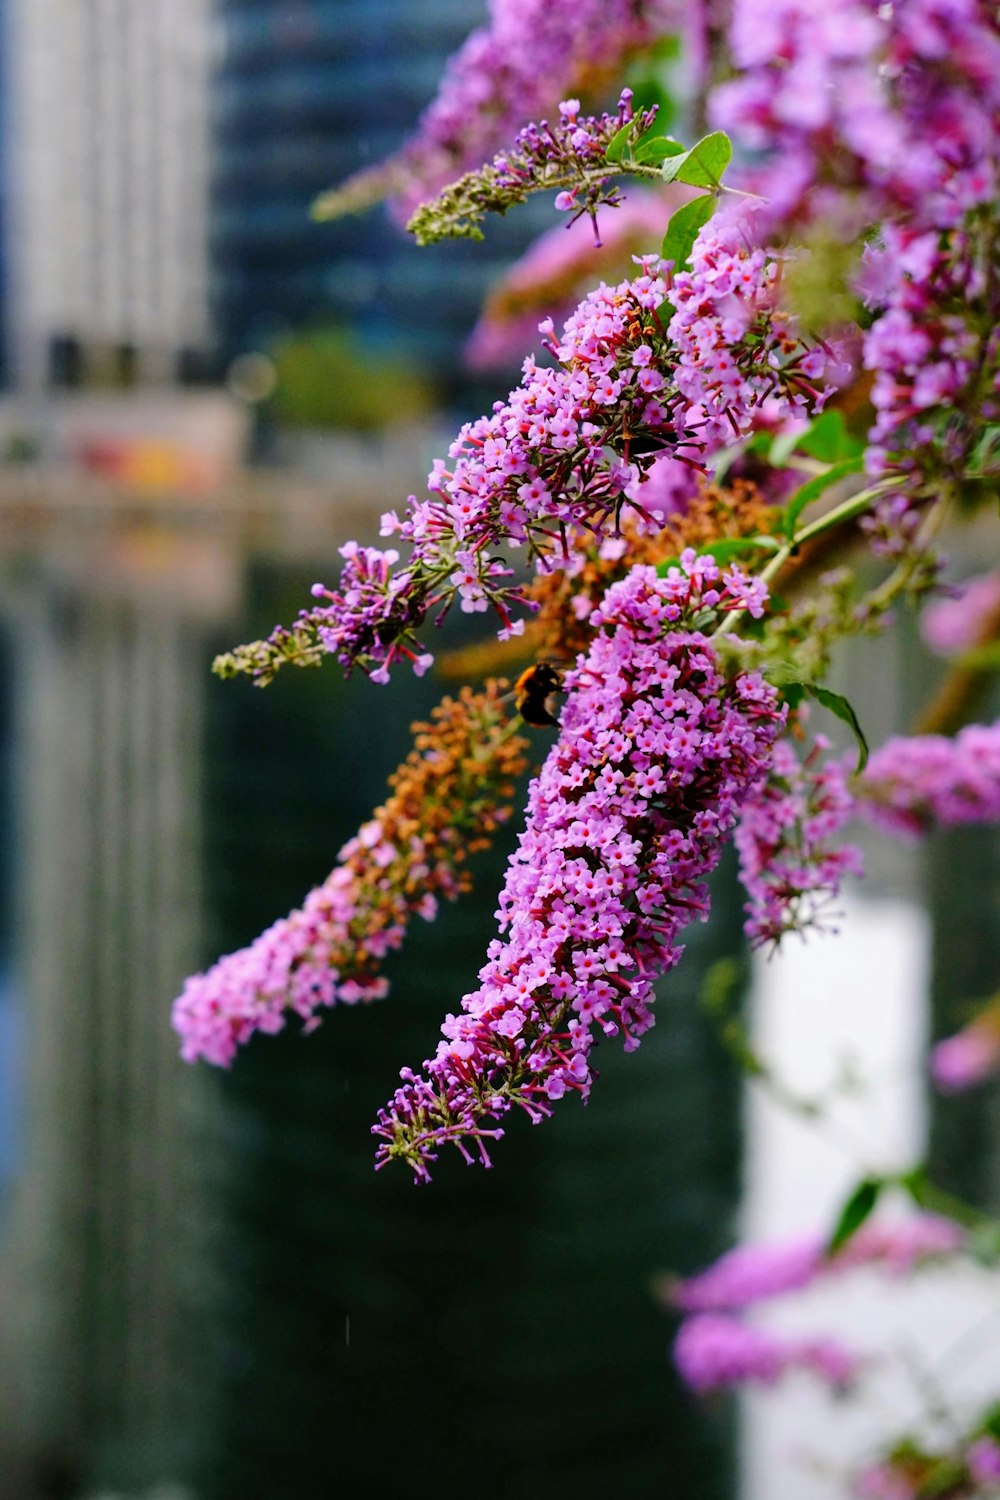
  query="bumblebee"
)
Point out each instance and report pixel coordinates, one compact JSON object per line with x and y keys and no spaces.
{"x":532,"y":690}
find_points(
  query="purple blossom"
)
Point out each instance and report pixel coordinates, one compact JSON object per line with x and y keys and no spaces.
{"x":933,"y":352}
{"x":755,"y":1273}
{"x":966,"y":618}
{"x":909,"y":785}
{"x":790,"y":863}
{"x":723,"y":305}
{"x":969,"y":1057}
{"x":714,"y":1353}
{"x":867,"y":112}
{"x":515,"y":69}
{"x":983,"y":1459}
{"x":560,"y":460}
{"x":656,"y":753}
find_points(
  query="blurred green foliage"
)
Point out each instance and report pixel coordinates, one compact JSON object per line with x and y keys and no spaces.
{"x":326,"y":378}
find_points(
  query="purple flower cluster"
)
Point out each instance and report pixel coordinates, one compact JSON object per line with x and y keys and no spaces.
{"x":933,"y":350}
{"x":889,"y":114}
{"x":569,"y":154}
{"x":789,"y":863}
{"x":969,"y":1057}
{"x":531,"y":54}
{"x":983,"y":1460}
{"x":724,"y":315}
{"x":289,"y":968}
{"x":909,"y":785}
{"x":563,"y":455}
{"x":868,"y":110}
{"x":755,"y":1273}
{"x":657,"y":752}
{"x":714,"y":1352}
{"x":970,"y":616}
{"x":569,"y":148}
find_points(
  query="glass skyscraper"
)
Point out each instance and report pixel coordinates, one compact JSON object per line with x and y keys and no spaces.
{"x":306,"y":92}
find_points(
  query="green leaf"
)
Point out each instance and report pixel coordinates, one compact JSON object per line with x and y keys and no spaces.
{"x":839,"y":705}
{"x":813,"y":488}
{"x":826,"y":439}
{"x":736,"y":546}
{"x":682,"y":231}
{"x":705,"y":163}
{"x":656,"y":150}
{"x":620,"y":143}
{"x":829,"y":440}
{"x":854,"y":1213}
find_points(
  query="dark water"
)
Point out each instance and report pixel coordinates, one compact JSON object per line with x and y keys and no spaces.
{"x":495,"y":1327}
{"x":204,"y":1282}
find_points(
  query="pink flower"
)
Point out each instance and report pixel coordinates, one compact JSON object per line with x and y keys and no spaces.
{"x":791,"y":861}
{"x":909,"y":785}
{"x":958,"y":623}
{"x":983,"y":1459}
{"x":756,"y":1273}
{"x":608,"y":872}
{"x":714,"y":1352}
{"x":968,"y":1058}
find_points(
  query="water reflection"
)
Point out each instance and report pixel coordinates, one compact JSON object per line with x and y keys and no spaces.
{"x":206,"y":1283}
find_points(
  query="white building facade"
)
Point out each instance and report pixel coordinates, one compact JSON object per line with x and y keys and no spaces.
{"x":107,"y":147}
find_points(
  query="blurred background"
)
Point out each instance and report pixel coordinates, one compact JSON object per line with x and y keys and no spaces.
{"x":205,"y":1292}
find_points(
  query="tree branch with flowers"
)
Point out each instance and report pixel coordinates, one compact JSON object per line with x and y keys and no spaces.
{"x":722,"y":465}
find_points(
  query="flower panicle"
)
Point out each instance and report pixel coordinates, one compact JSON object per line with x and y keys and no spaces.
{"x":657,"y":751}
{"x":557,"y":465}
{"x":914,"y":784}
{"x":755,"y":1273}
{"x":447,"y":800}
{"x":510,"y":71}
{"x":563,"y":155}
{"x":791,"y":860}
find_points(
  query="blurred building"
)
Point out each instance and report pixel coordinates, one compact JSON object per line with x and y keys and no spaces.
{"x":307,"y":92}
{"x":105,"y":126}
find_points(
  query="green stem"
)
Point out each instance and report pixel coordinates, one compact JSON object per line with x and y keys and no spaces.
{"x":846,"y":511}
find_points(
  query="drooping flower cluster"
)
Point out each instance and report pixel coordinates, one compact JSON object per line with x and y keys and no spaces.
{"x":934,"y":350}
{"x":969,"y":617}
{"x":531,"y":54}
{"x":656,"y":753}
{"x":448,"y":797}
{"x":714,"y":1352}
{"x":889,"y":115}
{"x":868,"y":111}
{"x":911,"y":785}
{"x":754,"y":1273}
{"x":791,"y":860}
{"x":716,"y":1349}
{"x":563,"y":456}
{"x":569,"y":154}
